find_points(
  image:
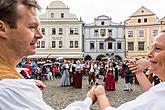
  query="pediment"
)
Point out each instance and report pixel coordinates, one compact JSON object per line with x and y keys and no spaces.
{"x":163,"y":19}
{"x":57,"y":4}
{"x":142,"y":12}
{"x":109,"y":39}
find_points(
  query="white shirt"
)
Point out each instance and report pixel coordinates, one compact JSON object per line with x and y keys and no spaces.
{"x":23,"y":94}
{"x":92,"y":68}
{"x":78,"y":67}
{"x":153,"y":99}
{"x":80,"y":105}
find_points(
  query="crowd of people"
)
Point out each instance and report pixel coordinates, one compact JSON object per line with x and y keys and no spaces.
{"x":70,"y":72}
{"x":19,"y":32}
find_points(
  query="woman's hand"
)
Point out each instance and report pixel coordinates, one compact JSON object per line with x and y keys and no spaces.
{"x":40,"y":84}
{"x":138,"y":65}
{"x":134,"y":67}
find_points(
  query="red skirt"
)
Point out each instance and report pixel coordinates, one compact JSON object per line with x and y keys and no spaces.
{"x":110,"y":82}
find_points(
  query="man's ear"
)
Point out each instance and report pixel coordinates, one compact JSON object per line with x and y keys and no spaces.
{"x":2,"y":29}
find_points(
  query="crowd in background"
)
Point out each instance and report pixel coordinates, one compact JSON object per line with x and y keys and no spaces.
{"x":71,"y":72}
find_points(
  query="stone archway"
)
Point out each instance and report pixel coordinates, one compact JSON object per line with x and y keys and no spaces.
{"x":99,"y":57}
{"x":118,"y":58}
{"x":88,"y":57}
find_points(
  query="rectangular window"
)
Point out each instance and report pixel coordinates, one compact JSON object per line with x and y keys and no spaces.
{"x":101,"y":45}
{"x":119,"y":45}
{"x":53,"y":44}
{"x":60,"y":31}
{"x":102,"y":22}
{"x":53,"y":31}
{"x":109,"y":45}
{"x":130,"y":33}
{"x":76,"y":44}
{"x":96,"y":32}
{"x":71,"y":44}
{"x":130,"y":45}
{"x":42,"y":44}
{"x":52,"y":15}
{"x":141,"y":33}
{"x":71,"y":31}
{"x":60,"y":44}
{"x":38,"y":44}
{"x":140,"y":45}
{"x":92,"y":46}
{"x":155,"y":32}
{"x":62,"y":15}
{"x":110,"y":32}
{"x":43,"y":31}
{"x":145,"y":20}
{"x":76,"y":31}
{"x":139,"y":20}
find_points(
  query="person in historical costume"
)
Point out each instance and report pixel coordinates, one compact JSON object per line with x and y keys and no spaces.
{"x":92,"y":73}
{"x":128,"y":77}
{"x":71,"y":73}
{"x":122,"y":73}
{"x":78,"y":75}
{"x":110,"y":81}
{"x":65,"y":75}
{"x":116,"y":66}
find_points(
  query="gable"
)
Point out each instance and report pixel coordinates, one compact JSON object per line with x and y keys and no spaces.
{"x":163,"y":19}
{"x":142,"y":12}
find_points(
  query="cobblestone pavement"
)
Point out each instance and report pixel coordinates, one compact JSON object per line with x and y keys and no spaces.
{"x":59,"y":97}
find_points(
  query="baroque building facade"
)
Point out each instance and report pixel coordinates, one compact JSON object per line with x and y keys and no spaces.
{"x":163,"y":22}
{"x":62,"y":33}
{"x":140,"y":29}
{"x":103,"y":38}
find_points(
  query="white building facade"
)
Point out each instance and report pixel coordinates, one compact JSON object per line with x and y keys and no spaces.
{"x":104,"y":38}
{"x":62,"y":33}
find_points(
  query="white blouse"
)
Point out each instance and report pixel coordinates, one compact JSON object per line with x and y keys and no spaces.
{"x":153,"y":99}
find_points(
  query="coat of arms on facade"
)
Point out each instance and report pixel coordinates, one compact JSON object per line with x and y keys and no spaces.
{"x":102,"y":32}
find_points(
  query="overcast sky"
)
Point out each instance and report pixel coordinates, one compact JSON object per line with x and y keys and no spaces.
{"x":118,"y":10}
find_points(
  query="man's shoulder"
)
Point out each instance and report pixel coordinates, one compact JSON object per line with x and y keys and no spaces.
{"x":18,"y":87}
{"x":16,"y":83}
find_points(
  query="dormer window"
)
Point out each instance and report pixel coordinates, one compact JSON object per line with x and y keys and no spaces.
{"x":52,"y":15}
{"x":62,"y":15}
{"x":102,"y":23}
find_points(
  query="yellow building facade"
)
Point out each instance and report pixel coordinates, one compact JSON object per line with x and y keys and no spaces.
{"x":163,"y":22}
{"x":140,"y":29}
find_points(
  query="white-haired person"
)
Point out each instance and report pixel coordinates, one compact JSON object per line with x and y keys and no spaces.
{"x":153,"y":97}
